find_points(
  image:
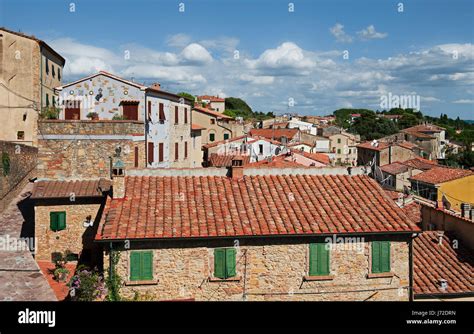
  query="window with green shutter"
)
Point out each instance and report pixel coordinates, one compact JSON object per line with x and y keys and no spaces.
{"x":57,"y":221}
{"x":212,"y":137}
{"x":380,"y":257}
{"x":318,"y":259}
{"x":224,"y":262}
{"x":141,"y":265}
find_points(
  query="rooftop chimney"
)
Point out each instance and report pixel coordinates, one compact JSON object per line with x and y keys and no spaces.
{"x":443,"y":284}
{"x":465,"y":209}
{"x":237,"y":168}
{"x":118,"y":179}
{"x":440,"y":237}
{"x":156,"y":86}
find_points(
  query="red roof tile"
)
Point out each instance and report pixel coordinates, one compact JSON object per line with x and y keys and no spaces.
{"x":368,"y":145}
{"x":210,"y":98}
{"x":195,"y":126}
{"x":280,"y":161}
{"x":433,"y":261}
{"x":438,"y":175}
{"x":212,"y":112}
{"x":413,"y":211}
{"x":320,"y":157}
{"x":420,"y":163}
{"x":274,"y":133}
{"x":64,"y":189}
{"x":218,"y":160}
{"x":394,"y":168}
{"x":218,"y":206}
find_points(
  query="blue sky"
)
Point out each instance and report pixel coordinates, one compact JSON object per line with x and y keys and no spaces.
{"x":288,"y":61}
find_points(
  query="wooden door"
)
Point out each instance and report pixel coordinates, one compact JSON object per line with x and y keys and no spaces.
{"x":72,"y":110}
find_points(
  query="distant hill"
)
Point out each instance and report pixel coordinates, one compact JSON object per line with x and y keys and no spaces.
{"x":236,"y":107}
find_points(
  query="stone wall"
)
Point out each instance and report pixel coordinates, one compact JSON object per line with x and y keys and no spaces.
{"x":75,"y":237}
{"x":23,"y":160}
{"x":75,"y":149}
{"x":267,"y":270}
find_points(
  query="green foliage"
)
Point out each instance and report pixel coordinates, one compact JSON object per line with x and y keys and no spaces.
{"x":113,"y":281}
{"x":92,"y":115}
{"x":371,"y":127}
{"x":86,"y":285}
{"x":464,"y":159}
{"x":187,"y":96}
{"x":236,"y":107}
{"x":118,"y":117}
{"x":343,"y":115}
{"x":50,"y":113}
{"x":234,"y":103}
{"x":5,"y":163}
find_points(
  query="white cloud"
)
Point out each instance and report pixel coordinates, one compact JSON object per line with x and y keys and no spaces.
{"x":178,"y":40}
{"x":196,"y":54}
{"x":258,"y":80}
{"x":464,"y":101}
{"x":370,"y":33}
{"x":338,"y":32}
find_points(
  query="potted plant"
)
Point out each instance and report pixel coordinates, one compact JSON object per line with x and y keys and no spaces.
{"x":60,"y":274}
{"x":93,"y":115}
{"x":60,"y":271}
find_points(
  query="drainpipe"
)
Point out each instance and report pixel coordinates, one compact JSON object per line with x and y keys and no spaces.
{"x":111,"y":262}
{"x":410,"y":257}
{"x":41,"y":79}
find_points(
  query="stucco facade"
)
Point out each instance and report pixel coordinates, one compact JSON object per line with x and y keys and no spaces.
{"x":266,"y":270}
{"x":217,"y":127}
{"x":26,"y":84}
{"x":344,"y":147}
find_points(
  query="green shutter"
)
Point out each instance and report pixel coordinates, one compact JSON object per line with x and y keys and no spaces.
{"x":385,"y":256}
{"x":318,"y":259}
{"x":219,"y":263}
{"x":135,"y":266}
{"x":61,"y":220}
{"x":376,"y":257}
{"x":53,"y":221}
{"x":147,"y":266}
{"x":230,"y":262}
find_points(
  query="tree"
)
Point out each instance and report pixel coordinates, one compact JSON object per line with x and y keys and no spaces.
{"x":187,"y":96}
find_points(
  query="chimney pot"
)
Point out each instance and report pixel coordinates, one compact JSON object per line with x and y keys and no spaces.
{"x":237,"y":168}
{"x":443,"y":284}
{"x":118,"y":179}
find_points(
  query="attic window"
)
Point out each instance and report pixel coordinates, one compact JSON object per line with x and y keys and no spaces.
{"x":20,"y":135}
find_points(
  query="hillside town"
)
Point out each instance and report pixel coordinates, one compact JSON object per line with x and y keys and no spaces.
{"x":157,"y":195}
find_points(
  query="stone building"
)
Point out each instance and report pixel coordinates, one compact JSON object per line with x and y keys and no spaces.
{"x":29,"y":71}
{"x":267,"y":237}
{"x":166,"y":117}
{"x":66,"y":218}
{"x":344,"y":147}
{"x":217,"y":125}
{"x":379,"y":153}
{"x":397,"y":175}
{"x":430,"y":138}
{"x":212,"y":102}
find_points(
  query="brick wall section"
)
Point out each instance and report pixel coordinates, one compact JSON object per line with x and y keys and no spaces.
{"x":89,"y":158}
{"x":273,"y":272}
{"x":75,"y":237}
{"x":23,"y":160}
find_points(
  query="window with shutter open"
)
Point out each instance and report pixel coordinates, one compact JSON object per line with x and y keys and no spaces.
{"x":151,"y":151}
{"x":160,"y":152}
{"x":318,"y":259}
{"x":176,"y":115}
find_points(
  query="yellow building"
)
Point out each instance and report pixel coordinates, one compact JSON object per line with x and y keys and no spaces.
{"x":448,"y":186}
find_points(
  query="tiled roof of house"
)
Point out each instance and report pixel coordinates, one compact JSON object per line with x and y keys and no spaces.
{"x":413,"y":211}
{"x":420,"y":163}
{"x":218,"y":160}
{"x":64,"y":189}
{"x":280,"y":161}
{"x":274,"y":133}
{"x":210,"y":98}
{"x":433,"y":261}
{"x":425,"y":128}
{"x":394,"y":168}
{"x":438,"y":175}
{"x":217,"y":206}
{"x":368,"y":145}
{"x":211,"y":112}
{"x":195,"y":127}
{"x":225,"y":141}
{"x":320,"y":157}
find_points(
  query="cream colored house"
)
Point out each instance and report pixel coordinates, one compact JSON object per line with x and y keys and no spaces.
{"x":29,"y":71}
{"x":213,"y":102}
{"x":217,"y":126}
{"x":343,"y":146}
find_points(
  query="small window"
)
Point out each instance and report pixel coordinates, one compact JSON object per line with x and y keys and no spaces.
{"x":338,"y":151}
{"x":176,"y":151}
{"x":350,"y":151}
{"x":46,"y":66}
{"x":185,"y":149}
{"x":47,"y":100}
{"x":212,"y":137}
{"x":20,"y":135}
{"x":162,"y":117}
{"x":141,"y":265}
{"x":260,"y":149}
{"x":59,"y":74}
{"x":54,"y":101}
{"x":338,"y":140}
{"x":185,"y":115}
{"x":213,"y":121}
{"x":226,"y":136}
{"x":224,"y":262}
{"x":380,"y":257}
{"x":57,"y":221}
{"x":53,"y":73}
{"x":318,"y":259}
{"x":176,"y":115}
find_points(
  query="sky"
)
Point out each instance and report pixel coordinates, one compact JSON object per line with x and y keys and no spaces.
{"x":305,"y":57}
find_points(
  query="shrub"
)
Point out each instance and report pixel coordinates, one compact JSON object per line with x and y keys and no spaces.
{"x":87,"y":285}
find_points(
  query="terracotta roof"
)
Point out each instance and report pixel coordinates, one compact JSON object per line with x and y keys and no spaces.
{"x":218,"y":206}
{"x":368,"y":145}
{"x":225,"y":141}
{"x":281,"y":161}
{"x":211,"y":98}
{"x":321,"y":157}
{"x":425,"y":128}
{"x":218,"y":160}
{"x":195,"y":126}
{"x":420,"y":163}
{"x":413,"y":211}
{"x":64,"y":189}
{"x":438,"y":175}
{"x":394,"y":168}
{"x":407,"y":145}
{"x":433,"y":261}
{"x":274,"y":133}
{"x":212,"y":112}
